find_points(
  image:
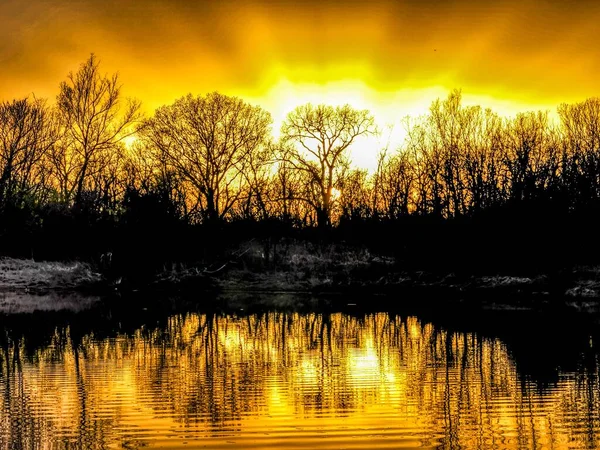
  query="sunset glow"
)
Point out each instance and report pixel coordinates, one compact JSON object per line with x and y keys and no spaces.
{"x":392,"y":58}
{"x":299,"y":224}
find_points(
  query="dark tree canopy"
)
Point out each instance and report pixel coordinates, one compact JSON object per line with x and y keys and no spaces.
{"x":94,"y":123}
{"x":211,"y":141}
{"x":27,"y":132}
{"x":322,"y":136}
{"x":91,"y":162}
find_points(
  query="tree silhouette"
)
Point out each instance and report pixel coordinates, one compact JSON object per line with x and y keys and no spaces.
{"x":211,"y":159}
{"x":27,"y":132}
{"x":94,"y":125}
{"x":393,"y":185}
{"x":323,"y":134}
{"x":210,"y":141}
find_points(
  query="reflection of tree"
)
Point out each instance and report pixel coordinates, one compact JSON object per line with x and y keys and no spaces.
{"x":215,"y":374}
{"x":72,"y":421}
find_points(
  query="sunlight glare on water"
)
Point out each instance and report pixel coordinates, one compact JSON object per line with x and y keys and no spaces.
{"x":282,"y":380}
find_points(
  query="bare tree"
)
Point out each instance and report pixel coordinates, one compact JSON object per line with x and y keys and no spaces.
{"x":147,"y":173}
{"x":529,"y":154}
{"x":210,"y":141}
{"x":580,"y":126}
{"x":393,"y":185}
{"x":355,"y":195}
{"x":27,"y":131}
{"x":254,"y":200}
{"x":456,"y":153}
{"x":323,"y":134}
{"x":94,"y":125}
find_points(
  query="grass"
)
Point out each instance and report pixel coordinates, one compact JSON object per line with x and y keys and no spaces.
{"x":293,"y":266}
{"x":304,"y":268}
{"x":296,"y":267}
{"x":43,"y":276}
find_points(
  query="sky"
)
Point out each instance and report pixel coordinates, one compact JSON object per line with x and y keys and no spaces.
{"x":391,"y":57}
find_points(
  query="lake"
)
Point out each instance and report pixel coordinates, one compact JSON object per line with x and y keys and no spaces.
{"x":172,"y":378}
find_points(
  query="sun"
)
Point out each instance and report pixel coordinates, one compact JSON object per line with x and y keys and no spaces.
{"x":130,"y":140}
{"x":388,"y":108}
{"x":335,"y":194}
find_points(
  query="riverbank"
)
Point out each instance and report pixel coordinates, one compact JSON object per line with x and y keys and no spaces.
{"x":344,"y":275}
{"x":497,"y":292}
{"x":41,"y":277}
{"x":38,"y":277}
{"x":27,"y":286}
{"x":351,"y":271}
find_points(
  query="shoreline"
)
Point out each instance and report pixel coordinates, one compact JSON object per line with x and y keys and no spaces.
{"x":53,"y":282}
{"x":27,"y":275}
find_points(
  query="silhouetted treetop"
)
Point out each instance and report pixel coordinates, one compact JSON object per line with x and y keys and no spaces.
{"x":321,"y":136}
{"x":211,"y":159}
{"x":211,"y":141}
{"x":27,"y":132}
{"x":93,"y":121}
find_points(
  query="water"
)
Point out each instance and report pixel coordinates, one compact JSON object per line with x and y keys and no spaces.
{"x":290,"y":380}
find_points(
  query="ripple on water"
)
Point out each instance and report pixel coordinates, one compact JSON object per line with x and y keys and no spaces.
{"x":280,"y":380}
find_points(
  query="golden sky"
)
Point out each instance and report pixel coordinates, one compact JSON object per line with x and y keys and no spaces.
{"x":392,"y":57}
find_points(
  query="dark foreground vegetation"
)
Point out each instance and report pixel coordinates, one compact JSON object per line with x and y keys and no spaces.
{"x":199,"y":184}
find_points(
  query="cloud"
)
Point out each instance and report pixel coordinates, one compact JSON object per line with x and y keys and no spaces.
{"x":530,"y":52}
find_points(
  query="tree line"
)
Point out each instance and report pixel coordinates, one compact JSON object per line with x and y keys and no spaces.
{"x":92,"y":162}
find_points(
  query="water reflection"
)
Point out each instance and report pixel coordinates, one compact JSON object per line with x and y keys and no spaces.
{"x":288,"y":380}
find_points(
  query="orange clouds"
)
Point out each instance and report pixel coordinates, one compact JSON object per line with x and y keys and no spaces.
{"x":517,"y":55}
